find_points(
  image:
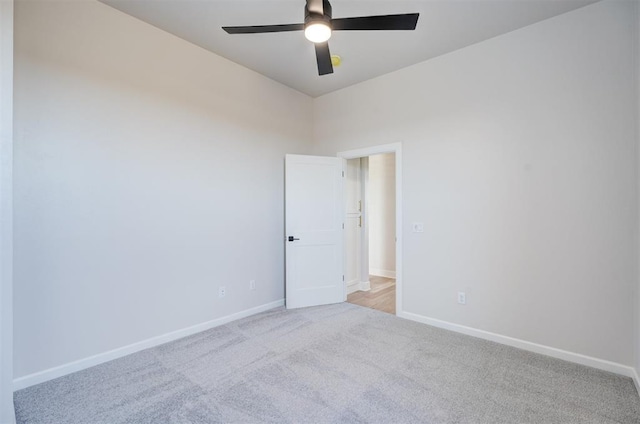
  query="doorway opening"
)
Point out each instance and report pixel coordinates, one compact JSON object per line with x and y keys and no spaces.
{"x":372,"y":253}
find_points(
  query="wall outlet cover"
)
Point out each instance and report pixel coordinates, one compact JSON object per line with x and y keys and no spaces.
{"x":417,"y":227}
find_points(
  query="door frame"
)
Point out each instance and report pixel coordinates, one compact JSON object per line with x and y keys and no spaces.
{"x":375,"y":150}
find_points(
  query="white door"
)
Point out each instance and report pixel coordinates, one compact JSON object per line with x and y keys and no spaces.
{"x":313,"y":226}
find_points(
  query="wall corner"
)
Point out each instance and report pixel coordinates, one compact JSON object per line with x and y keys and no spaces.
{"x":7,"y":413}
{"x":636,"y":306}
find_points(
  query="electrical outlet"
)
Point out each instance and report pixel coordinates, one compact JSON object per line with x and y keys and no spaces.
{"x":462,"y":298}
{"x":417,"y":227}
{"x":222,"y":292}
{"x":252,"y":285}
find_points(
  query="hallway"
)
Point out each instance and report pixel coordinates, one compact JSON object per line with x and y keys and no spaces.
{"x":381,"y":297}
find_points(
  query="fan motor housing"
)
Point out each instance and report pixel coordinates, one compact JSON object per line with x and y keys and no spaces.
{"x":314,"y":17}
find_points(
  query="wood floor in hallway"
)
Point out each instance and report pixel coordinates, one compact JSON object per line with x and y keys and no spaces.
{"x":382,"y":295}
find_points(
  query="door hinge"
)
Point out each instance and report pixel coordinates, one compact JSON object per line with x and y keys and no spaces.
{"x":343,"y":225}
{"x":343,"y":174}
{"x":343,"y":278}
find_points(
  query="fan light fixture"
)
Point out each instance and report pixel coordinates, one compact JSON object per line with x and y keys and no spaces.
{"x":317,"y":31}
{"x":319,"y":23}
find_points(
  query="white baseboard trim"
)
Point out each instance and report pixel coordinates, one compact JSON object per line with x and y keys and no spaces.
{"x":382,"y":273}
{"x":71,"y":367}
{"x":636,"y":380}
{"x":577,"y":358}
{"x":353,"y":286}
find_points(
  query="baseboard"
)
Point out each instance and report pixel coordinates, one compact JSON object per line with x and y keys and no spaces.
{"x":636,"y":380}
{"x":577,"y":358}
{"x":71,"y":367}
{"x":353,"y":286}
{"x":382,"y":273}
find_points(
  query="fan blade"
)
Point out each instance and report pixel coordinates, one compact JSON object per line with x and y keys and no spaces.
{"x":315,"y":6}
{"x":407,"y":21}
{"x":263,"y":28}
{"x":323,"y":56}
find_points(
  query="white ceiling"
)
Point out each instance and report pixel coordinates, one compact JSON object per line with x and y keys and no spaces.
{"x":443,"y":26}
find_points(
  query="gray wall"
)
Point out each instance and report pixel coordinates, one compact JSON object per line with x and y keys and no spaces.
{"x":148,"y":172}
{"x":520,"y":156}
{"x":636,"y":333}
{"x":6,"y":213}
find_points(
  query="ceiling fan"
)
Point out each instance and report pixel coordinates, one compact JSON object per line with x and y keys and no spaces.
{"x":318,"y":25}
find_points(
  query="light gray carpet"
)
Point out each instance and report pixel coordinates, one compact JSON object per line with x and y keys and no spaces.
{"x":338,"y":363}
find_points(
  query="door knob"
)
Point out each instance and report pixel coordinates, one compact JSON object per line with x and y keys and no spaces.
{"x":292,"y":238}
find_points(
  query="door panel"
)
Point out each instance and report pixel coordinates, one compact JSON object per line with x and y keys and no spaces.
{"x":313,"y":218}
